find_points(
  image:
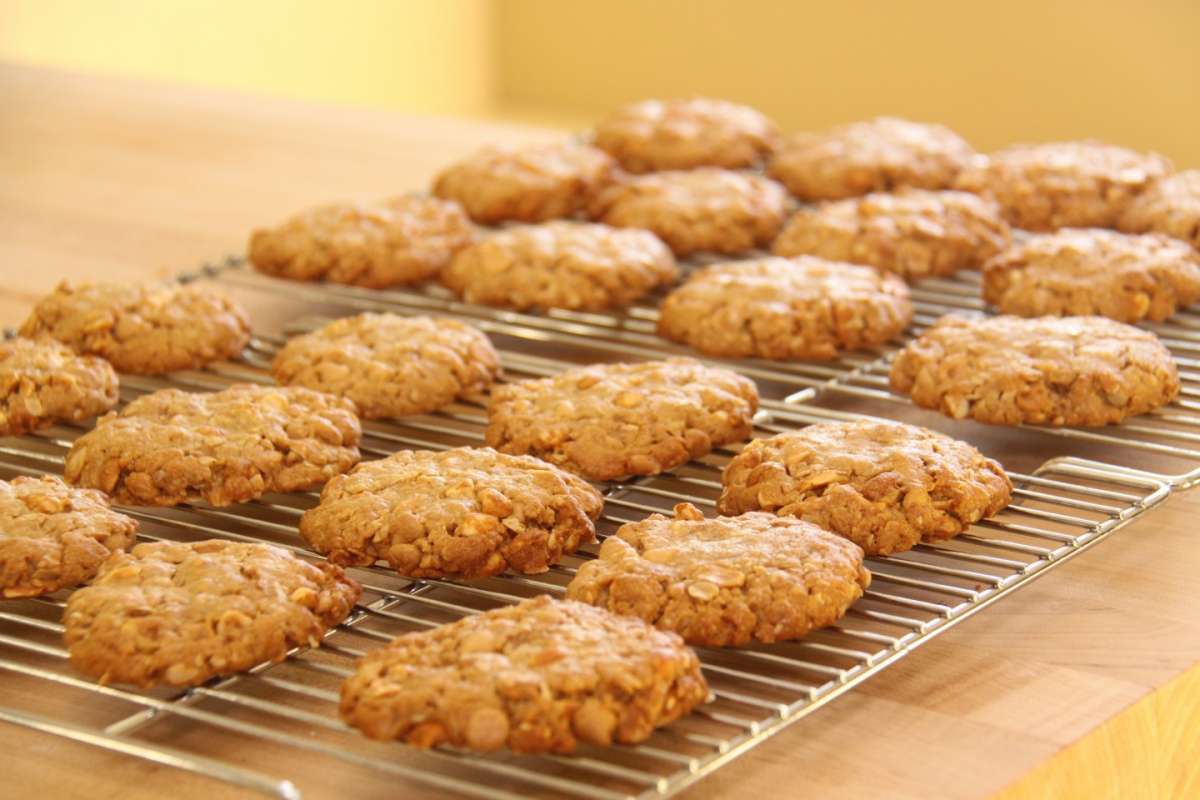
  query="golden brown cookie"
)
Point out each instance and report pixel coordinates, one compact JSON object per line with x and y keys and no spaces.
{"x":1093,"y":271}
{"x":142,"y":329}
{"x":914,"y":233}
{"x":179,"y":613}
{"x":542,"y":676}
{"x":706,"y":209}
{"x":1044,"y":370}
{"x":398,"y":241}
{"x":466,"y":512}
{"x":389,"y":365}
{"x":532,"y":183}
{"x":226,"y":447}
{"x":1170,"y":205}
{"x":785,"y":308}
{"x":683,"y":134}
{"x":1043,"y":187}
{"x":53,"y":536}
{"x":571,"y":265}
{"x":726,"y":581}
{"x":883,"y":485}
{"x":607,"y":421}
{"x":43,"y":382}
{"x":873,"y":156}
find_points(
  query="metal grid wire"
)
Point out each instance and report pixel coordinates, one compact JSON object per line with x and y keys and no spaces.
{"x":238,"y":729}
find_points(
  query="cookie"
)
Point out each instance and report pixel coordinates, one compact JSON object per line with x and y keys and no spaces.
{"x":1044,"y":370}
{"x":465,"y":513}
{"x":1170,"y":206}
{"x":608,"y":421}
{"x":532,"y":183}
{"x":873,"y":156}
{"x":179,"y":613}
{"x":142,"y":329}
{"x":226,"y":447}
{"x":395,"y":242}
{"x":883,"y":485}
{"x":43,"y":382}
{"x":914,"y":233}
{"x":706,"y":209}
{"x":570,"y":265}
{"x":684,"y":134}
{"x":541,"y":676}
{"x":1043,"y":187}
{"x":726,"y":581}
{"x":53,"y":536}
{"x":391,"y":366}
{"x":785,"y":308}
{"x":1093,"y":271}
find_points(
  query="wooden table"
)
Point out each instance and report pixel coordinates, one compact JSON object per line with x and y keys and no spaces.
{"x":1084,"y":684}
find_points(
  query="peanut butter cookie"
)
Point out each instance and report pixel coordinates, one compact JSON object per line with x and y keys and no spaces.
{"x":538,"y":677}
{"x":43,"y":382}
{"x":226,"y":447}
{"x":1170,"y":205}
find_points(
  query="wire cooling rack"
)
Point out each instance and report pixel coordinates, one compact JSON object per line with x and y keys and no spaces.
{"x":241,"y":728}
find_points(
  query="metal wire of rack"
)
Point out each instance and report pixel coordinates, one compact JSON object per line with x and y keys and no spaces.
{"x":238,"y":728}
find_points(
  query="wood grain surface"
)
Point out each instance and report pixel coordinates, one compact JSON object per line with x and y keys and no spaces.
{"x":1084,"y":684}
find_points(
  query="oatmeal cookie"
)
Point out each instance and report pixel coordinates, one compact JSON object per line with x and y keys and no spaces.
{"x":226,"y":447}
{"x":726,"y":581}
{"x":533,"y":183}
{"x":398,"y":241}
{"x":53,"y":536}
{"x":1093,"y":271}
{"x":465,"y":512}
{"x":683,"y":134}
{"x":914,"y":233}
{"x":1007,"y":370}
{"x":389,"y":365}
{"x":541,"y":676}
{"x":1043,"y":187}
{"x":874,"y":156}
{"x":561,"y":265}
{"x":1170,"y":206}
{"x":883,"y":485}
{"x":43,"y":382}
{"x":608,"y":421}
{"x":706,"y":209}
{"x":179,"y":613}
{"x":142,"y":329}
{"x":785,"y":308}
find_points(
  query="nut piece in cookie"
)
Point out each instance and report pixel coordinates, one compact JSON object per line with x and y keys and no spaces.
{"x":1044,"y":187}
{"x":608,"y":421}
{"x":1008,"y":370}
{"x":179,"y":613}
{"x":684,"y":134}
{"x":226,"y":447}
{"x":726,"y":581}
{"x":532,"y":183}
{"x":142,"y":329}
{"x":706,"y":209}
{"x":561,"y":265}
{"x":785,"y":308}
{"x":541,"y":676}
{"x":1170,"y":205}
{"x":389,"y":365}
{"x":53,"y":536}
{"x":883,"y":485}
{"x":873,"y":156}
{"x":466,"y":513}
{"x":398,"y":241}
{"x":914,"y":233}
{"x":1093,"y":271}
{"x":42,"y":382}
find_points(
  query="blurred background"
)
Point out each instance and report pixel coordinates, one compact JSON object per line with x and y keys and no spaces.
{"x":1126,"y":72}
